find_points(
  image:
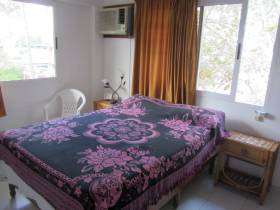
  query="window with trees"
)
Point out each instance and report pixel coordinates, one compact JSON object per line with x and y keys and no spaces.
{"x":237,"y":39}
{"x":27,"y":49}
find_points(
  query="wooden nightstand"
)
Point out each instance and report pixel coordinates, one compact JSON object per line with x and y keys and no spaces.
{"x":258,"y":151}
{"x":102,"y":104}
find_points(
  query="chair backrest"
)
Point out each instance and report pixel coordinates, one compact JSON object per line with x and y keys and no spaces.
{"x":72,"y":102}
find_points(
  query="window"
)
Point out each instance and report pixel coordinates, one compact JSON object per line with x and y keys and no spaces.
{"x":26,"y":41}
{"x":236,"y":48}
{"x":220,"y":26}
{"x":260,"y":36}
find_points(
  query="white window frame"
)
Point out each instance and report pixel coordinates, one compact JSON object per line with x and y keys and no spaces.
{"x":272,"y":65}
{"x":52,"y":4}
{"x":241,"y":34}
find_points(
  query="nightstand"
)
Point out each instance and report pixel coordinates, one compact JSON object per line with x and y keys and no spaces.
{"x":102,"y":104}
{"x":257,"y":151}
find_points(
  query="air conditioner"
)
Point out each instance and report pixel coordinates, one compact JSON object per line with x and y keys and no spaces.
{"x":116,"y":20}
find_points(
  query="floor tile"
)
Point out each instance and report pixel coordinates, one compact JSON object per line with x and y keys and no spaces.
{"x":226,"y":198}
{"x":211,"y":206}
{"x":191,"y":202}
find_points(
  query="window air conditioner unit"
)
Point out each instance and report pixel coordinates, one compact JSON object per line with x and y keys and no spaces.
{"x":116,"y":20}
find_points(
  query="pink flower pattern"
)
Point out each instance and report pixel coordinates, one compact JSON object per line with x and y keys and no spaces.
{"x":78,"y":191}
{"x":151,"y":165}
{"x":114,"y":131}
{"x":177,"y":124}
{"x":59,"y":130}
{"x":107,"y":189}
{"x":196,"y":136}
{"x":134,"y":110}
{"x":20,"y":134}
{"x":57,"y":134}
{"x":178,"y":127}
{"x":103,"y":158}
{"x":204,"y":119}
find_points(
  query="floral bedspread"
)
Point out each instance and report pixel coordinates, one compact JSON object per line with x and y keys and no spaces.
{"x":109,"y":158}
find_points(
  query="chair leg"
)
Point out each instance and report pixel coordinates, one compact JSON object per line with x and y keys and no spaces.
{"x":13,"y":192}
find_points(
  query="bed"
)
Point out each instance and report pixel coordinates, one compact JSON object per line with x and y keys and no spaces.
{"x":127,"y":157}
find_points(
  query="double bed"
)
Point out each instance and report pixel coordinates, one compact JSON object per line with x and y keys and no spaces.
{"x":127,"y":157}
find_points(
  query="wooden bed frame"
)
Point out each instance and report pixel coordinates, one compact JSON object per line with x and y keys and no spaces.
{"x":174,"y":195}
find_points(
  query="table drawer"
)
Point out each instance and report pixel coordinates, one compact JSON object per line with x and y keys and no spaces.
{"x":102,"y":106}
{"x":246,"y":152}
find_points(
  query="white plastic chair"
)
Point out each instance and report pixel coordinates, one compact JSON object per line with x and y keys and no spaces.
{"x":70,"y":102}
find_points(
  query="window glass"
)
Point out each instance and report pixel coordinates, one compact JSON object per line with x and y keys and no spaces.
{"x":260,"y":35}
{"x":219,"y":37}
{"x":26,"y":41}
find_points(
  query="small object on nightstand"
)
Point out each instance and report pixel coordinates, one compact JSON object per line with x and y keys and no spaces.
{"x":102,"y":104}
{"x":257,"y":151}
{"x":115,"y":96}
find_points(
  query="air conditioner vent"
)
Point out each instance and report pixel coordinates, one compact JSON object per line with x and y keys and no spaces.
{"x":116,"y":20}
{"x":122,"y":16}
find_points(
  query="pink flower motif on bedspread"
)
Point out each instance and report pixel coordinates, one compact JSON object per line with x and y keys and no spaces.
{"x":204,"y":119}
{"x":176,"y":124}
{"x":151,"y":165}
{"x":135,"y":110}
{"x":196,"y":141}
{"x":107,"y":190}
{"x":106,"y":187}
{"x":78,"y":191}
{"x":113,"y":131}
{"x":103,"y":158}
{"x":59,"y":130}
{"x":177,"y":127}
{"x":195,"y":136}
{"x":21,"y":134}
{"x":57,"y":134}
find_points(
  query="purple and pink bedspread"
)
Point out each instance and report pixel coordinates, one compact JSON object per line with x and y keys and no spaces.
{"x":125,"y":157}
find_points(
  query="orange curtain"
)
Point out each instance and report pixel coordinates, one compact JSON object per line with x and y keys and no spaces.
{"x":166,"y":50}
{"x":2,"y":107}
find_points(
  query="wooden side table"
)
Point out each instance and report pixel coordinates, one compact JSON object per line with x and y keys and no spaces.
{"x":102,"y":104}
{"x":257,"y":151}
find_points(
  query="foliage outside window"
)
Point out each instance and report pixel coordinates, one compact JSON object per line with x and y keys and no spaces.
{"x":236,"y":54}
{"x":260,"y":35}
{"x":218,"y":47}
{"x":26,"y":41}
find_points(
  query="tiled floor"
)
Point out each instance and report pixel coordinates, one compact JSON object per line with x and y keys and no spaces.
{"x":202,"y":195}
{"x":199,"y":195}
{"x":20,"y":203}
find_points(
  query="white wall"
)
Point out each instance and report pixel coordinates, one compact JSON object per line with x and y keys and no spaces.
{"x":238,"y":116}
{"x":97,"y":56}
{"x":24,"y":100}
{"x":114,"y":65}
{"x":118,"y":58}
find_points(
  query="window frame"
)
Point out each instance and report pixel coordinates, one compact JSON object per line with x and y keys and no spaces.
{"x":48,"y":3}
{"x":237,"y":62}
{"x":272,"y":65}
